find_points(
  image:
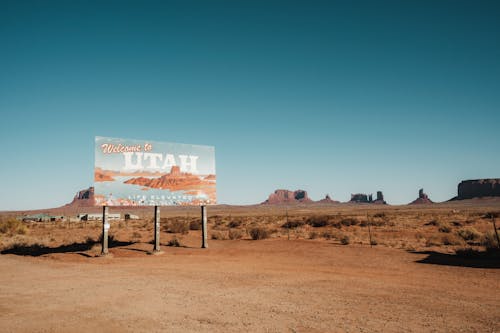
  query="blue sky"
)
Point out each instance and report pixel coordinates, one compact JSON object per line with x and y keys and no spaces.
{"x":331,"y":97}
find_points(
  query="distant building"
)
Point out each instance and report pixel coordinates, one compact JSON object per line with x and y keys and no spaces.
{"x":131,"y":217}
{"x":98,"y":217}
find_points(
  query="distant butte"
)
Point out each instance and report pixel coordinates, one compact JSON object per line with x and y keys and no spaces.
{"x":422,"y":198}
{"x":285,"y":196}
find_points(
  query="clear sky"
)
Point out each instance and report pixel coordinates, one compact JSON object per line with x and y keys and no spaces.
{"x":333,"y":97}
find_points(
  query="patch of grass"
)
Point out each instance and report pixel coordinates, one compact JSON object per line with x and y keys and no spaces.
{"x":12,"y":226}
{"x":234,"y":224}
{"x":434,"y":240}
{"x":434,"y":223}
{"x":178,"y":227}
{"x":318,"y":221}
{"x":349,"y":221}
{"x":195,"y":225}
{"x":313,"y":235}
{"x":444,"y":228}
{"x":235,"y":234}
{"x":380,"y":215}
{"x":293,"y":224}
{"x":452,"y":239}
{"x":258,"y":233}
{"x":469,"y":234}
{"x":491,"y":215}
{"x":489,"y":241}
{"x":345,"y":240}
{"x":136,"y":236}
{"x":218,"y":235}
{"x":174,"y":242}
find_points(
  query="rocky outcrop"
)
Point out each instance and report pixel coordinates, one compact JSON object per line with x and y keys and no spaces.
{"x":422,"y":198}
{"x":285,"y":196}
{"x":327,"y":200}
{"x":361,"y":198}
{"x":478,"y":188}
{"x":367,"y":198}
{"x":83,"y":198}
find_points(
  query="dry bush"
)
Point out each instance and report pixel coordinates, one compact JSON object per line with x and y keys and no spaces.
{"x":327,"y":234}
{"x":374,"y":241}
{"x":293,"y":224}
{"x":491,"y":215}
{"x":469,"y":234}
{"x":434,"y":240}
{"x":349,"y":221}
{"x":419,"y":235}
{"x":174,"y":242}
{"x":444,"y":228}
{"x":136,"y":236}
{"x":218,"y":235}
{"x":313,"y":235}
{"x":234,"y":224}
{"x":12,"y":226}
{"x":379,"y":215}
{"x":318,"y":221}
{"x":345,"y":240}
{"x":452,"y":239}
{"x":435,"y":223}
{"x":235,"y":234}
{"x":489,"y":241}
{"x":178,"y":227}
{"x":195,"y":225}
{"x":259,"y":233}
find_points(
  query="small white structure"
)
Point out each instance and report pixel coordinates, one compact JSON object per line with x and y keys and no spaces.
{"x":131,"y":217}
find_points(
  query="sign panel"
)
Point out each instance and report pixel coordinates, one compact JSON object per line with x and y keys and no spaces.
{"x":146,"y":173}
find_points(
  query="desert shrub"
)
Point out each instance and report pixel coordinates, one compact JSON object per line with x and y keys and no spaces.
{"x":491,"y":215}
{"x":433,"y":223}
{"x":452,"y":239}
{"x":293,"y":224}
{"x":489,"y":241}
{"x":313,"y":235}
{"x":469,"y":234}
{"x":327,"y":234}
{"x":345,"y":240}
{"x":234,"y":224}
{"x":336,"y":224}
{"x":195,"y":225}
{"x":136,"y":236}
{"x":419,"y":235}
{"x":380,"y":215}
{"x":349,"y":221}
{"x":218,"y":235}
{"x":444,"y":228}
{"x":456,"y":223}
{"x":317,"y":221}
{"x":174,"y":242}
{"x":373,"y":242}
{"x":235,"y":234}
{"x":12,"y":227}
{"x":434,"y":240}
{"x":178,"y":227}
{"x":259,"y":233}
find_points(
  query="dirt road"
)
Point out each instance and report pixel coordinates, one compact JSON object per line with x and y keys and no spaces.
{"x":236,"y":286}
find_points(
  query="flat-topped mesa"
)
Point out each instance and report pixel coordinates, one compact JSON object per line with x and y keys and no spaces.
{"x":286,"y":196}
{"x":361,"y":198}
{"x":422,"y":198}
{"x":478,"y":188}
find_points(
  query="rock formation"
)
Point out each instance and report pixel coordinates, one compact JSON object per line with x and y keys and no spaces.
{"x":361,"y":198}
{"x":83,"y":198}
{"x":327,"y":199}
{"x":422,"y":198}
{"x":285,"y":196}
{"x":478,"y":188}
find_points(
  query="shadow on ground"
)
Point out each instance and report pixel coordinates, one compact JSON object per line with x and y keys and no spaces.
{"x":36,"y":250}
{"x":467,"y":258}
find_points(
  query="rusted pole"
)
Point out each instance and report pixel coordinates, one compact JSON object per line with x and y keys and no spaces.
{"x":204,"y":234}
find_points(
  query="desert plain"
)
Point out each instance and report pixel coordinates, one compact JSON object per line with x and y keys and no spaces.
{"x":267,"y":268}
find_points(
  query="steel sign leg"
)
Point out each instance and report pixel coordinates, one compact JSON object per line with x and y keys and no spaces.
{"x":105,"y":228}
{"x":157,"y":230}
{"x":204,"y":233}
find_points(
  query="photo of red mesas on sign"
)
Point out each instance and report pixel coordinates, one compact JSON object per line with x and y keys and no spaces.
{"x":146,"y":173}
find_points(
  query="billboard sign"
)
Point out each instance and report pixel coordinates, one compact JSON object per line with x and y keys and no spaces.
{"x":146,"y":173}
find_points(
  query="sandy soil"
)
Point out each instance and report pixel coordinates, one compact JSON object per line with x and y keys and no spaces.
{"x":271,"y":285}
